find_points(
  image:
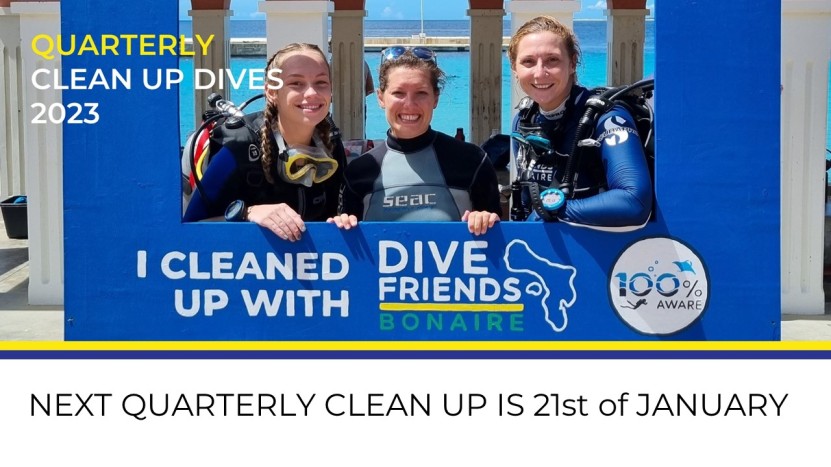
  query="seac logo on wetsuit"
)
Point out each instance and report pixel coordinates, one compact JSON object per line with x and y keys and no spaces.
{"x":410,"y":201}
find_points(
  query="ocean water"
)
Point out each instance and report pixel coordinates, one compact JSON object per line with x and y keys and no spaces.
{"x":453,"y":111}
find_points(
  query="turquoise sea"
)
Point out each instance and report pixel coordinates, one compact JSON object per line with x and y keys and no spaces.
{"x":453,"y":110}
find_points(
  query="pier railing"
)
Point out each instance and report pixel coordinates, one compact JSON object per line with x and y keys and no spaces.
{"x":256,"y":46}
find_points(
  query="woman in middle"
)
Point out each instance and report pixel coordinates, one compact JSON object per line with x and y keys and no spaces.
{"x":419,"y":174}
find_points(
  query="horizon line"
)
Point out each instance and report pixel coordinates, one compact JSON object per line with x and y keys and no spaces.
{"x":648,"y":19}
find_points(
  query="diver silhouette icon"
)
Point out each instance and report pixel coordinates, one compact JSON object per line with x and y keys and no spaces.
{"x":634,"y":306}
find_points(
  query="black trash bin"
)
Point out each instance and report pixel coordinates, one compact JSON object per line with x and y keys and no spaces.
{"x":15,"y":217}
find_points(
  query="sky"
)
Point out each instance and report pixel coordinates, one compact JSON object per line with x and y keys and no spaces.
{"x":407,"y":9}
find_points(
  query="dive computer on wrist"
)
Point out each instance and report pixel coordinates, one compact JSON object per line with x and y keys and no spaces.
{"x":236,"y":211}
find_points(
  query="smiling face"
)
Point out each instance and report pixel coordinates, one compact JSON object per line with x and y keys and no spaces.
{"x":408,"y":100}
{"x":544,"y":68}
{"x":304,"y":99}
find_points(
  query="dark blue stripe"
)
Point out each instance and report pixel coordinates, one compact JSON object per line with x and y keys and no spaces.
{"x":417,"y":354}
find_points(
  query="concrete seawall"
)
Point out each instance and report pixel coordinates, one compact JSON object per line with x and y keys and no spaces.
{"x":256,"y":46}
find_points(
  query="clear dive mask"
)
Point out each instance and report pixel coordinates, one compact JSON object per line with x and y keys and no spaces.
{"x":304,"y":165}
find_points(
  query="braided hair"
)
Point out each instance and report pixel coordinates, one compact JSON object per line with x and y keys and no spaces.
{"x":324,"y":128}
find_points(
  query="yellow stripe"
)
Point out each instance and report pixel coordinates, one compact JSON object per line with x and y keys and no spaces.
{"x":414,"y":346}
{"x":474,"y":307}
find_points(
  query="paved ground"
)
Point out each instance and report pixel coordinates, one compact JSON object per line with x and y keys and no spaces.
{"x":20,"y":321}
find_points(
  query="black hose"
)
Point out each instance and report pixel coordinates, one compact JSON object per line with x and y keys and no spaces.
{"x":595,"y":105}
{"x":645,"y":84}
{"x":517,"y":209}
{"x":584,"y":127}
{"x":585,"y":120}
{"x":250,"y":100}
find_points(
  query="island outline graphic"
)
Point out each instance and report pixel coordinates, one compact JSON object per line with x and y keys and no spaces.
{"x":539,"y":287}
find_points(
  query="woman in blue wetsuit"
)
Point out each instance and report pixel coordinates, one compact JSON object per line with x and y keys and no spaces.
{"x":612,"y":186}
{"x":294,"y":172}
{"x":418,"y":174}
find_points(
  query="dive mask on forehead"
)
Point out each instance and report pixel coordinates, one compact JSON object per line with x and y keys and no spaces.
{"x":396,"y":51}
{"x":304,"y":165}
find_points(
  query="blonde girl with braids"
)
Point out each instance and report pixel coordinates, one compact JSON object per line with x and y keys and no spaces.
{"x":295,"y":175}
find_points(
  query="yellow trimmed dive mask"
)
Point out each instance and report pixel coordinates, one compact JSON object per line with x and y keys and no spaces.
{"x":304,"y":165}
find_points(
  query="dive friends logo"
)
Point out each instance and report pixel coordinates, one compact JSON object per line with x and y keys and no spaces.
{"x":659,"y":286}
{"x":432,"y":287}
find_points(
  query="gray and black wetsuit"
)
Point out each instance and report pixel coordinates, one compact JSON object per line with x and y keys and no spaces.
{"x":432,"y":177}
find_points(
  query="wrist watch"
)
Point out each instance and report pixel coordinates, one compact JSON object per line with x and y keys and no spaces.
{"x":236,"y":211}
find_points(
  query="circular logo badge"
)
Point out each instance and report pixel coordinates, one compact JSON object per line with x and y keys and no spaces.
{"x":659,"y":286}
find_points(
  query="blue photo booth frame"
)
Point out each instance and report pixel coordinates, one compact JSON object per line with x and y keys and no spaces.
{"x":715,"y":237}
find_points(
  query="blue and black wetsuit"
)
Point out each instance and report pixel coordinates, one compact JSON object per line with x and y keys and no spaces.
{"x":612,"y":185}
{"x":237,"y":173}
{"x":432,"y":177}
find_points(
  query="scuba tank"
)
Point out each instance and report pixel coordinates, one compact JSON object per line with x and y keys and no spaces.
{"x":201,"y":146}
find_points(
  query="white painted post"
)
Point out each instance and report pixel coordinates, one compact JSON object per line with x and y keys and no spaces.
{"x":524,"y":10}
{"x":348,"y":83}
{"x":43,"y":151}
{"x":485,"y":73}
{"x":205,"y":23}
{"x":12,"y":121}
{"x":806,"y":51}
{"x":625,"y":35}
{"x":296,"y":21}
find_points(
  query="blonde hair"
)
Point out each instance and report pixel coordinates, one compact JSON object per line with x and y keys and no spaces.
{"x":545,"y":24}
{"x":270,"y":112}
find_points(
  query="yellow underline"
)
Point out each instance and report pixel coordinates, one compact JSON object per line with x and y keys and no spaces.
{"x":471,"y":307}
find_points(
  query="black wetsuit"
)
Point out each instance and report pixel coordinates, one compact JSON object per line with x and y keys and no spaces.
{"x":432,"y":177}
{"x":234,"y":174}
